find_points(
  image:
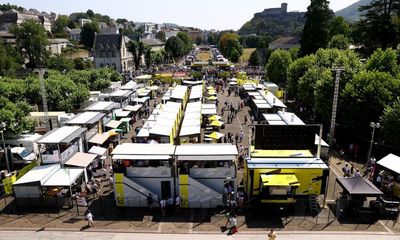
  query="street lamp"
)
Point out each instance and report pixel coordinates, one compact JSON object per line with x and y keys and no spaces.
{"x":373,"y":126}
{"x":3,"y":126}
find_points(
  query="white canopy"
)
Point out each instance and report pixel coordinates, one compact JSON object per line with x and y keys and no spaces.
{"x":113,"y":124}
{"x":98,"y":150}
{"x":81,"y":159}
{"x":390,"y":162}
{"x":99,"y":138}
{"x":64,"y":177}
{"x":206,"y":149}
{"x":134,"y":108}
{"x":143,"y":149}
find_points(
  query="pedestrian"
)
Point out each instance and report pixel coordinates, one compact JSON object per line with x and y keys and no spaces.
{"x":272,"y":235}
{"x":89,"y":217}
{"x":241,"y":136}
{"x":236,"y":138}
{"x":222,"y":111}
{"x":177,"y":203}
{"x":163,"y":205}
{"x":245,"y":119}
{"x":252,"y":119}
{"x":346,"y":171}
{"x":150,"y":202}
{"x":232,"y":225}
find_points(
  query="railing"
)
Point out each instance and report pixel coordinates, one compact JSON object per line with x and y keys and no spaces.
{"x":50,"y":158}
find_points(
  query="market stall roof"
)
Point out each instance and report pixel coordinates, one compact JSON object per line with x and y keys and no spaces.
{"x":193,"y":82}
{"x":358,"y":186}
{"x":122,"y":113}
{"x":279,"y":122}
{"x":141,"y":157}
{"x":263,"y":106}
{"x":390,"y":162}
{"x":85,"y":118}
{"x":141,"y":100}
{"x":254,"y":94}
{"x":206,"y":149}
{"x":64,"y":134}
{"x":64,"y":177}
{"x":279,"y":180}
{"x":323,"y":143}
{"x":190,"y":130}
{"x":274,"y":101}
{"x":102,"y":106}
{"x":143,"y":77}
{"x":99,"y":138}
{"x":81,"y":159}
{"x":98,"y":150}
{"x":144,"y":149}
{"x":208,"y":106}
{"x":113,"y":124}
{"x":131,"y":85}
{"x":161,"y":130}
{"x":134,"y":108}
{"x":38,"y":174}
{"x":272,"y":117}
{"x":121,"y":93}
{"x":290,"y":118}
{"x":209,"y":111}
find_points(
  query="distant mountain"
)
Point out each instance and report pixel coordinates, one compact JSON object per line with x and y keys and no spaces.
{"x":275,"y":22}
{"x":351,"y":12}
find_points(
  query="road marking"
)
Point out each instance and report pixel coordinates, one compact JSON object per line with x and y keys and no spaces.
{"x":191,"y":227}
{"x":159,"y":229}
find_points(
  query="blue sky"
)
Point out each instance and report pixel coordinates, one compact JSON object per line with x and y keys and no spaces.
{"x":204,"y":14}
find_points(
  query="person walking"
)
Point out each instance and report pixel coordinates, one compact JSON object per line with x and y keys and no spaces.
{"x":271,"y":235}
{"x":241,"y":136}
{"x":89,"y":217}
{"x":150,"y":202}
{"x":163,"y":205}
{"x":245,"y":119}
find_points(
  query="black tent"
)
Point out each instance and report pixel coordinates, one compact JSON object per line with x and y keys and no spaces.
{"x":358,"y":186}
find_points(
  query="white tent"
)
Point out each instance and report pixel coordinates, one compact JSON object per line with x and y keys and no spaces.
{"x":390,"y":162}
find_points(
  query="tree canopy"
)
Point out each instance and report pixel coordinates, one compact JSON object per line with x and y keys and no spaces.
{"x":315,"y":34}
{"x":175,"y":47}
{"x":277,"y":66}
{"x":255,"y":59}
{"x":31,"y":41}
{"x":88,"y":33}
{"x":230,"y":46}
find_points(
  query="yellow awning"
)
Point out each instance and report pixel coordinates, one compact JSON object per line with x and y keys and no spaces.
{"x":216,"y":123}
{"x":214,"y":118}
{"x":280,"y":180}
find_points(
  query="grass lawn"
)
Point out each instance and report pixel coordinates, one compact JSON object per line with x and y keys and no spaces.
{"x":204,"y":56}
{"x":246,"y":54}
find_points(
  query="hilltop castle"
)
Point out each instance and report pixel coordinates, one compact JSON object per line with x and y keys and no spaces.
{"x":276,"y":12}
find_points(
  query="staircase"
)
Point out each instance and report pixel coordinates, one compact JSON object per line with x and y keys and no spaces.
{"x":314,"y":207}
{"x":135,"y":195}
{"x":198,"y":194}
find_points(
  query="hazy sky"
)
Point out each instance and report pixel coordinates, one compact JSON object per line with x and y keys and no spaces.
{"x":204,"y":14}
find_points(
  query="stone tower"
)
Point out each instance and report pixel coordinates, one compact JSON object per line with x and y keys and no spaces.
{"x":284,"y":8}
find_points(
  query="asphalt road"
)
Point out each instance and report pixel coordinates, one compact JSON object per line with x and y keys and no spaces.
{"x":242,"y":236}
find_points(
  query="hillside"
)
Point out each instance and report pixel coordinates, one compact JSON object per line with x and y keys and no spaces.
{"x":275,"y":22}
{"x":351,"y":12}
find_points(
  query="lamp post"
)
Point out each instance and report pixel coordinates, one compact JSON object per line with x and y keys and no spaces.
{"x":3,"y":126}
{"x":373,"y":126}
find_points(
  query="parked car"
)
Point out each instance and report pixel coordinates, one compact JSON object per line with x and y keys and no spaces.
{"x":21,"y":155}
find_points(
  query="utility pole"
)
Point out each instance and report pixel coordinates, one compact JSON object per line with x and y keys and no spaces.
{"x":338,"y":70}
{"x":43,"y":92}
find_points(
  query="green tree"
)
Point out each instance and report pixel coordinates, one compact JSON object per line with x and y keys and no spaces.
{"x":307,"y":84}
{"x":187,"y":41}
{"x":199,"y":40}
{"x":60,"y":63}
{"x":212,"y":39}
{"x":229,"y":45}
{"x":14,"y":115}
{"x":59,"y":26}
{"x":10,"y":60}
{"x":157,"y":57}
{"x":175,"y":47}
{"x":383,"y":61}
{"x":90,"y":13}
{"x":88,"y":34}
{"x":296,"y":70}
{"x":255,"y":59}
{"x":391,"y":123}
{"x":63,"y":94}
{"x":161,"y":36}
{"x":277,"y":66}
{"x":378,"y":27}
{"x":316,"y":32}
{"x":365,"y":97}
{"x":31,"y":41}
{"x":234,"y":55}
{"x":147,"y":57}
{"x":338,"y":25}
{"x":340,"y":42}
{"x":137,"y":49}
